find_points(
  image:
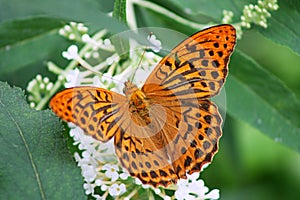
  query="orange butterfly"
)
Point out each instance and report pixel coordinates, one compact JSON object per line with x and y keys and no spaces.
{"x":169,"y":127}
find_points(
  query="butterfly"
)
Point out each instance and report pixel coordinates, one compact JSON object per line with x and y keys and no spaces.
{"x":169,"y":128}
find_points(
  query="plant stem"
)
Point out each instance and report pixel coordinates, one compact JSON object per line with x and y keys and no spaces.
{"x":167,"y":13}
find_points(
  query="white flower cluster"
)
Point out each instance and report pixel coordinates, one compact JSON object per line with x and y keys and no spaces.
{"x":193,"y":188}
{"x":97,"y":165}
{"x":227,"y":19}
{"x":155,"y":43}
{"x":37,"y":89}
{"x":73,"y":31}
{"x":259,"y":13}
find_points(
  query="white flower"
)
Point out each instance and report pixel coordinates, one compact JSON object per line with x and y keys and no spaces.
{"x":111,"y":171}
{"x":155,"y":43}
{"x":124,"y":175}
{"x":79,"y":136}
{"x":191,"y":188}
{"x":95,"y":44}
{"x":108,"y":44}
{"x":86,"y":38}
{"x":105,"y":152}
{"x":104,"y":187}
{"x":73,"y":78}
{"x":112,"y":59}
{"x":116,"y":189}
{"x":89,"y":172}
{"x":98,"y":197}
{"x":98,"y":182}
{"x":183,"y":195}
{"x":214,"y":194}
{"x":88,"y":188}
{"x":71,"y":53}
{"x":167,"y":198}
{"x":139,"y":182}
{"x":81,"y":27}
{"x":157,"y":190}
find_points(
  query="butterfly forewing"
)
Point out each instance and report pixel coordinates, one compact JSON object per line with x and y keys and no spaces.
{"x":198,"y":65}
{"x":97,"y":111}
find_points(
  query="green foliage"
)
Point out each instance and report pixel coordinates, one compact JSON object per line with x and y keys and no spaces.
{"x":259,"y":98}
{"x":121,"y":44}
{"x":35,"y":163}
{"x":25,"y":40}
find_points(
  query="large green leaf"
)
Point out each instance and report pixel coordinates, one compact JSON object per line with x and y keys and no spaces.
{"x":29,"y":40}
{"x":121,"y":44}
{"x":87,"y":11}
{"x":35,"y":163}
{"x":24,"y":42}
{"x":263,"y":101}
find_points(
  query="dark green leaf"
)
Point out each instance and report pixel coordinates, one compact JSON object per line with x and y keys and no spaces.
{"x":121,"y":44}
{"x":35,"y":163}
{"x":23,"y":42}
{"x":29,"y":54}
{"x":263,"y":101}
{"x":86,"y":11}
{"x":120,"y":11}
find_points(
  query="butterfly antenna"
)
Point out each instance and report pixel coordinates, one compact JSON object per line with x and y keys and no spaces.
{"x":142,"y":56}
{"x":139,"y":65}
{"x":98,"y":73}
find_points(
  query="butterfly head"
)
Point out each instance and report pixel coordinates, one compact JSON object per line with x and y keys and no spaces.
{"x":129,"y":88}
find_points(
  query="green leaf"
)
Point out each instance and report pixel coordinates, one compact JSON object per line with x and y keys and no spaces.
{"x":121,"y":44}
{"x":24,"y":53}
{"x":35,"y":163}
{"x":27,"y":41}
{"x":263,"y":101}
{"x":120,"y":11}
{"x":210,"y":8}
{"x":89,"y":12}
{"x":283,"y":26}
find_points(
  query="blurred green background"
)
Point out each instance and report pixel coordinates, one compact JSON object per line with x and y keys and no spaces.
{"x":249,"y":165}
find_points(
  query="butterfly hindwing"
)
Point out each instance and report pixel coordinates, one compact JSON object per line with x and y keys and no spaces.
{"x":195,"y":141}
{"x":187,"y":140}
